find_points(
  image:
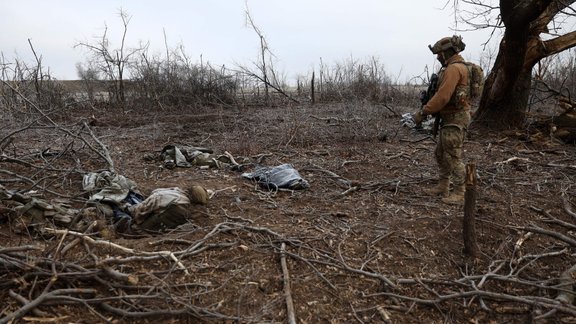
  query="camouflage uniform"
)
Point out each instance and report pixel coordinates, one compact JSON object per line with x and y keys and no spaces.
{"x":448,"y":151}
{"x":166,"y":208}
{"x":452,"y":104}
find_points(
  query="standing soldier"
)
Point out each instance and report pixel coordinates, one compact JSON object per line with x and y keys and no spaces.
{"x":451,"y":104}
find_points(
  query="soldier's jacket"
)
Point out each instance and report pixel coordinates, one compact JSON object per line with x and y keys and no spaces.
{"x":453,"y":91}
{"x":108,"y":187}
{"x":165,"y":208}
{"x":187,"y":156}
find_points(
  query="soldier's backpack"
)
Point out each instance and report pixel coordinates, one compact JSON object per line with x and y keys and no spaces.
{"x":476,"y":79}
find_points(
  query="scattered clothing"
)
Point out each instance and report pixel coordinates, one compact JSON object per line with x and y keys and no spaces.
{"x":282,"y":176}
{"x":165,"y":208}
{"x":112,"y":194}
{"x":188,"y":156}
{"x":108,"y":187}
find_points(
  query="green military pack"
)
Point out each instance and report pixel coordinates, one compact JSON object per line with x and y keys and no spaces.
{"x":476,"y":79}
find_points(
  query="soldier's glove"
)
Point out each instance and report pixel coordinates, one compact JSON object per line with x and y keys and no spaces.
{"x":418,"y":118}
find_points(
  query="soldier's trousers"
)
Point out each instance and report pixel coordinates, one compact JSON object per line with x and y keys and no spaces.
{"x":449,"y":148}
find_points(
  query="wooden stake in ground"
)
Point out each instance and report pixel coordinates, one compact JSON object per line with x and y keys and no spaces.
{"x":312,"y":95}
{"x":287,"y":290}
{"x":469,"y":226}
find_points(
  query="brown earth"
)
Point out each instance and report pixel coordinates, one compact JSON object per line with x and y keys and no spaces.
{"x":362,"y":244}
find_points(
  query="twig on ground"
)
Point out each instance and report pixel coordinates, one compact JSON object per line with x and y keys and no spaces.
{"x":567,"y":209}
{"x":105,"y":154}
{"x":553,"y":219}
{"x":566,"y":286}
{"x":92,"y":241}
{"x":44,"y":297}
{"x":287,"y":289}
{"x":339,"y":179}
{"x":536,"y":229}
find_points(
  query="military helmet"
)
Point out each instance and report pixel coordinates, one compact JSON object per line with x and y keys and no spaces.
{"x":197,"y":194}
{"x":455,"y":43}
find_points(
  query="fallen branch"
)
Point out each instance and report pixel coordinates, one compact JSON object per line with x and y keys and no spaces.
{"x":552,"y":219}
{"x":555,"y":165}
{"x":566,"y":294}
{"x":190,"y":310}
{"x":567,"y":209}
{"x":108,"y":244}
{"x":344,"y":266}
{"x":529,"y":300}
{"x":231,"y":157}
{"x":308,"y":262}
{"x":340,"y":180}
{"x":46,"y":296}
{"x":105,"y":154}
{"x":286,"y":281}
{"x":512,"y":159}
{"x":25,"y":301}
{"x":553,"y":234}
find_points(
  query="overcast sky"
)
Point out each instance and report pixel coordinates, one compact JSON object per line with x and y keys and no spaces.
{"x":300,"y":33}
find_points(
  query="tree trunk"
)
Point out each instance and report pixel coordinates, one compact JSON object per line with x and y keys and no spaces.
{"x":507,"y":110}
{"x":504,"y":100}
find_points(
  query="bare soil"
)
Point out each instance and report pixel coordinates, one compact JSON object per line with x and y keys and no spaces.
{"x":362,"y":244}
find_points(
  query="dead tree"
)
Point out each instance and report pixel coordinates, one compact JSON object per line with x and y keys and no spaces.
{"x":533,"y":31}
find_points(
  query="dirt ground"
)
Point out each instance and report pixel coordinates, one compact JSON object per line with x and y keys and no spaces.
{"x":362,"y":244}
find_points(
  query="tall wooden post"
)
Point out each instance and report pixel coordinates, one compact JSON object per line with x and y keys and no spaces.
{"x":312,"y":89}
{"x":469,"y":224}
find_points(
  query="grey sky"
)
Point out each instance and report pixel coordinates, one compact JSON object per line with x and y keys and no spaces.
{"x":299,"y":32}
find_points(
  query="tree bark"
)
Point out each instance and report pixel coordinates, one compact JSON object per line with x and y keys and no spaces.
{"x":504,"y":101}
{"x":505,"y":97}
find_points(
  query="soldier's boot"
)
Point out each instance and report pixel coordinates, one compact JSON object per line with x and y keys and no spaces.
{"x":456,"y":197}
{"x":441,"y":189}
